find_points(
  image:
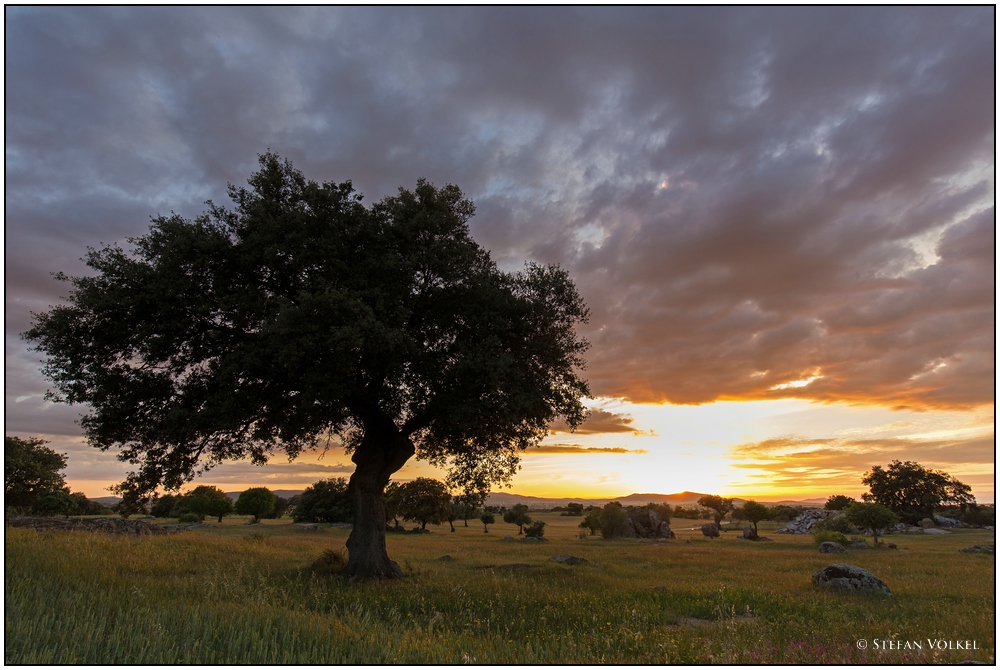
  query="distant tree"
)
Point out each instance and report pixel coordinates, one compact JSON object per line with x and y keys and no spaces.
{"x":573,"y":509}
{"x":281,"y":507}
{"x":87,"y":507}
{"x":56,"y":502}
{"x":30,"y":469}
{"x":871,"y":516}
{"x":468,"y":506}
{"x":256,"y":502}
{"x":719,"y":506}
{"x":326,"y":501}
{"x":424,"y":500}
{"x":612,"y":520}
{"x":592,"y":521}
{"x":536,"y":529}
{"x":391,"y":502}
{"x":838,"y":502}
{"x":738,"y":515}
{"x":298,"y":312}
{"x":487,"y":518}
{"x":163,"y":506}
{"x":209,"y":501}
{"x":785,"y":513}
{"x":912,"y":491}
{"x":755,"y":512}
{"x":517,"y":515}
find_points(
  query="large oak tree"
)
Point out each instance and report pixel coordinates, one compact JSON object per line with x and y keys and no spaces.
{"x":301,"y":314}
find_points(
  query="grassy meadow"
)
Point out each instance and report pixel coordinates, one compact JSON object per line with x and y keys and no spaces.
{"x":238,"y":594}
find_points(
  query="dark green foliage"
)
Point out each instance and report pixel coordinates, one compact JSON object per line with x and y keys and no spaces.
{"x":281,"y":507}
{"x":390,"y":500}
{"x":56,"y":502}
{"x":831,"y":536}
{"x":592,"y":521}
{"x":189,"y":517}
{"x":755,"y":512}
{"x":163,"y":506}
{"x":300,"y":313}
{"x":612,"y":520}
{"x":258,"y":502}
{"x":912,"y":491}
{"x":130,"y":505}
{"x":720,"y":506}
{"x":487,"y":518}
{"x":874,"y":517}
{"x":517,"y":515}
{"x":838,"y":502}
{"x":836,"y":523}
{"x":203,"y":501}
{"x":326,"y":501}
{"x":424,"y":500}
{"x":465,"y":507}
{"x":87,"y":507}
{"x":536,"y":529}
{"x":971,"y":513}
{"x":30,"y":469}
{"x":573,"y":509}
{"x":682,"y":512}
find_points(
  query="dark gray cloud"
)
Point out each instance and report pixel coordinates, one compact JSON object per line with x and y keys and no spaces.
{"x":747,"y":198}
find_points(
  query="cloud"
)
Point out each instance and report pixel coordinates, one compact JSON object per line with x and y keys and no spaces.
{"x":601,"y":421}
{"x":746,"y":197}
{"x":827,"y":463}
{"x":580,"y":449}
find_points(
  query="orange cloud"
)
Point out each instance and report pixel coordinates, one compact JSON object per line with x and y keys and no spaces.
{"x":580,"y":449}
{"x":601,"y":421}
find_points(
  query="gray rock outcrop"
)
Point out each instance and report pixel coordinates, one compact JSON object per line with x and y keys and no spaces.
{"x":831,"y":548}
{"x":805,"y":522}
{"x":568,"y":560}
{"x":980,"y":549}
{"x":936,"y":531}
{"x":710,"y":530}
{"x":926,"y":523}
{"x":846,"y":577}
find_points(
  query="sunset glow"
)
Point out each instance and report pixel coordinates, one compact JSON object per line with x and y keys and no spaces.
{"x":782,"y":221}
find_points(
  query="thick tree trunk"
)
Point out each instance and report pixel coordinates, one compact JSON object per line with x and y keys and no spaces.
{"x":381,"y":453}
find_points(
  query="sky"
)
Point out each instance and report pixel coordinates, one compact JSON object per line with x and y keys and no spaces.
{"x":781,"y":219}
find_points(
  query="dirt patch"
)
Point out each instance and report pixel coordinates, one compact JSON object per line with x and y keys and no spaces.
{"x":113,"y":526}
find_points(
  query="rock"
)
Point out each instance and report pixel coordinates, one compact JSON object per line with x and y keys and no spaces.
{"x":926,"y":523}
{"x":665,"y":532}
{"x":508,"y":538}
{"x":980,"y":549}
{"x":311,"y":526}
{"x":654,"y":520}
{"x":859,"y":544}
{"x":891,"y":545}
{"x":568,"y":560}
{"x":536,"y":539}
{"x":710,"y":530}
{"x":948,"y":522}
{"x":630,"y":530}
{"x":831,"y":548}
{"x":112,"y":525}
{"x":936,"y":531}
{"x":749,"y":533}
{"x":804,"y":522}
{"x":445,"y":558}
{"x":845,"y":577}
{"x":516,"y":567}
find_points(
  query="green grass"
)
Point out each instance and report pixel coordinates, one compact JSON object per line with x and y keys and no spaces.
{"x":238,"y":594}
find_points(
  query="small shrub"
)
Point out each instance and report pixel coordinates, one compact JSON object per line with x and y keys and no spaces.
{"x":329,"y":563}
{"x":536,"y":529}
{"x":831,"y":536}
{"x":837,"y":523}
{"x":188,"y":517}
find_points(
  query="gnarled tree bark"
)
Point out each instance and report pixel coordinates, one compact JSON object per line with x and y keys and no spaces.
{"x":383,"y":451}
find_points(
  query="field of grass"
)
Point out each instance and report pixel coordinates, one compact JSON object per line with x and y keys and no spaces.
{"x":236,"y":594}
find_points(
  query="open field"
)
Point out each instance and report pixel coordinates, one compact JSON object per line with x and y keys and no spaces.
{"x":245,"y":594}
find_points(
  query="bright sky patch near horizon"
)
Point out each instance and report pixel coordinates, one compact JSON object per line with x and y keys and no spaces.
{"x":781,"y":218}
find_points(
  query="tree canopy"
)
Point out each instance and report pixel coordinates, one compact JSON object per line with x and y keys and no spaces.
{"x":871,"y":516}
{"x":720,"y":506}
{"x":325,"y":501}
{"x":424,"y":500}
{"x":912,"y":491}
{"x":257,"y":501}
{"x":301,"y":316}
{"x":30,"y":470}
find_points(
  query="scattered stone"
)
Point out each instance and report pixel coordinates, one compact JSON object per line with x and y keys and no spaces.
{"x":445,"y":558}
{"x":535,"y":539}
{"x":804,"y":522}
{"x":112,"y":525}
{"x":750,"y":534}
{"x":516,"y":567}
{"x":936,"y":531}
{"x":949,"y":522}
{"x":845,"y":577}
{"x":710,"y":530}
{"x":859,"y":544}
{"x":310,"y":526}
{"x":508,"y":538}
{"x":926,"y":523}
{"x":831,"y":548}
{"x":980,"y":549}
{"x":201,"y":525}
{"x":568,"y":560}
{"x":344,"y":525}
